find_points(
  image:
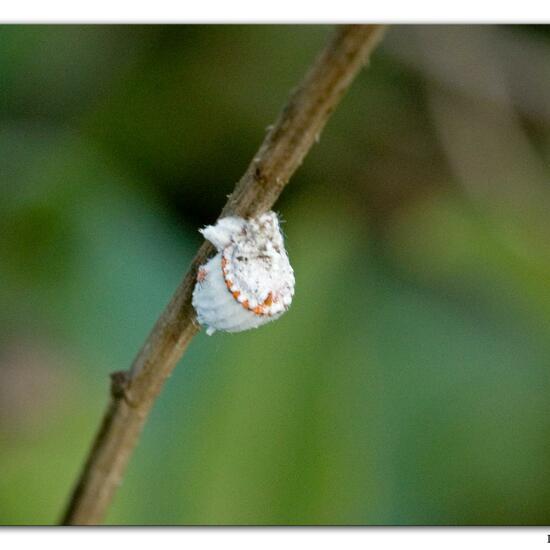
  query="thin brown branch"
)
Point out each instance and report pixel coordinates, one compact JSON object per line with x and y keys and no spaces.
{"x":284,"y":147}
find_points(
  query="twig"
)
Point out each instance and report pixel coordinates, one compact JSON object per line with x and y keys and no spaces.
{"x":285,"y":145}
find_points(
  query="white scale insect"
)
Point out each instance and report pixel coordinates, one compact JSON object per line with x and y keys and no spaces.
{"x":249,"y":282}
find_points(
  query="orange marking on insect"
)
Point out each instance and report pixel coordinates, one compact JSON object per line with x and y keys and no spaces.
{"x":258,"y":310}
{"x":201,"y":275}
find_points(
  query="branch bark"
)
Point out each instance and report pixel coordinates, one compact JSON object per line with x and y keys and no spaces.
{"x":133,"y":392}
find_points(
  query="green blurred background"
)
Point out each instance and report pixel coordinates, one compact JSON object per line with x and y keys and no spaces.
{"x":409,"y":382}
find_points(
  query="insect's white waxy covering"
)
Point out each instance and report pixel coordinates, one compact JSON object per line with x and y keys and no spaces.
{"x":249,"y":282}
